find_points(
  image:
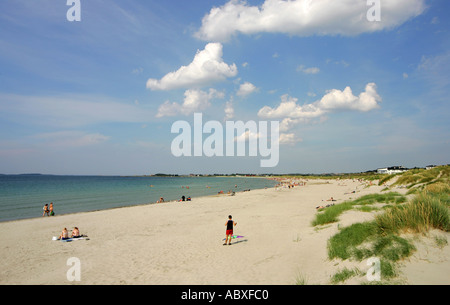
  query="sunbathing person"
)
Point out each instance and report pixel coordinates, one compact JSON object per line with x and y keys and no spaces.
{"x":76,"y":233}
{"x":64,"y":234}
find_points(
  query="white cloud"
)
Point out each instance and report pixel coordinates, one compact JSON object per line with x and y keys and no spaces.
{"x":194,"y":100}
{"x":292,"y":114}
{"x":312,"y":70}
{"x":345,"y":100}
{"x":303,"y":18}
{"x":334,"y":100}
{"x":289,"y":108}
{"x":229,"y":110}
{"x":246,"y":89}
{"x":289,"y":138}
{"x":207,"y":67}
{"x":246,"y":136}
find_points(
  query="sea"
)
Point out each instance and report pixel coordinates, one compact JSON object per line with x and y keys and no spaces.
{"x":24,"y":196}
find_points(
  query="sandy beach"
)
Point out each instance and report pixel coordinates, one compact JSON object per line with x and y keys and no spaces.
{"x":182,"y":243}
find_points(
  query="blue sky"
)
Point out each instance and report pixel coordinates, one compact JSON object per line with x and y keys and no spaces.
{"x":99,"y":96}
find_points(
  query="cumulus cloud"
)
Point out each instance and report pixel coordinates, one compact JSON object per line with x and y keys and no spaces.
{"x":292,"y":114}
{"x":207,"y":67}
{"x":194,"y":100}
{"x":345,"y":100}
{"x":334,"y":100}
{"x":246,"y":89}
{"x":304,"y":18}
{"x":289,"y":108}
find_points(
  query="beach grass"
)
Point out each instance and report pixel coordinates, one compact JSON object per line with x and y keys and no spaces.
{"x":386,"y":179}
{"x":425,"y":211}
{"x":421,"y":178}
{"x":388,"y":271}
{"x":441,"y":241}
{"x":345,"y":274}
{"x":331,"y":214}
{"x":301,"y":280}
{"x":343,"y":244}
{"x":383,"y":237}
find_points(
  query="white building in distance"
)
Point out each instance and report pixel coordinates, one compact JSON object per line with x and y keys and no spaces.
{"x":392,"y":170}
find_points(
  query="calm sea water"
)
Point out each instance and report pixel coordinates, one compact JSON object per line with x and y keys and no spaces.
{"x":23,"y":196}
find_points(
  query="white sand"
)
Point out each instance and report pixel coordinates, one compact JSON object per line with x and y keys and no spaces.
{"x":181,"y":243}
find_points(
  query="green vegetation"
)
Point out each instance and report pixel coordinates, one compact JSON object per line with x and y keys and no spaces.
{"x":441,"y":242}
{"x":427,"y":210}
{"x":386,"y":179}
{"x":345,"y":274}
{"x":300,"y":280}
{"x":381,"y":238}
{"x":343,"y":244}
{"x":331,"y":213}
{"x":421,"y":178}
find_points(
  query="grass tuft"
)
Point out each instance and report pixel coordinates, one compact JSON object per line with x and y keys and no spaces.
{"x":331,"y":214}
{"x":425,"y":211}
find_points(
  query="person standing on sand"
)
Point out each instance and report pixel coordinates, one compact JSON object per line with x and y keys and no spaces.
{"x":229,"y":233}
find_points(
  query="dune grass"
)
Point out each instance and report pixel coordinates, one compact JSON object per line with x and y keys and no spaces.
{"x":386,"y":179}
{"x":343,"y":244}
{"x":426,"y":211}
{"x":421,"y":178}
{"x":381,"y":238}
{"x":331,"y":214}
{"x":344,"y":275}
{"x":388,"y":271}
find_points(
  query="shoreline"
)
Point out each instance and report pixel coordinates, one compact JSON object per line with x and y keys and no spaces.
{"x":181,"y":244}
{"x":125,"y":205}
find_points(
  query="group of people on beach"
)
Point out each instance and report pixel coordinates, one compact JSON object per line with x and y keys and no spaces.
{"x":288,"y":183}
{"x":65,"y":234}
{"x":183,"y":198}
{"x":326,"y":206}
{"x":48,"y":210}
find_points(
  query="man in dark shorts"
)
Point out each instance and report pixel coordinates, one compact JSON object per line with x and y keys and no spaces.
{"x":229,"y":233}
